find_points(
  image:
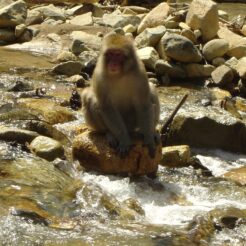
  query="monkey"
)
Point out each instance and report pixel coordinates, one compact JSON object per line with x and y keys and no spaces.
{"x":120,"y":101}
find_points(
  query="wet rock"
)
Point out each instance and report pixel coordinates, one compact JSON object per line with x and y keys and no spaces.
{"x":178,"y":48}
{"x":68,"y":68}
{"x":211,"y":128}
{"x":149,"y":56}
{"x":175,"y":156}
{"x":13,"y":14}
{"x":241,"y":67}
{"x":195,"y":70}
{"x":150,"y":36}
{"x":83,"y":20}
{"x":155,"y":17}
{"x":65,"y":56}
{"x":17,"y":135}
{"x":46,"y":148}
{"x":52,"y":12}
{"x":203,"y":15}
{"x":93,"y":152}
{"x":119,"y":20}
{"x":215,"y":48}
{"x":7,"y":35}
{"x":237,"y":44}
{"x":223,"y":76}
{"x":237,"y":175}
{"x":173,"y":70}
{"x":49,"y":110}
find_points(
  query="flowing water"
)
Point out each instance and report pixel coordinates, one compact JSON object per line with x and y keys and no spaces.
{"x":43,"y":204}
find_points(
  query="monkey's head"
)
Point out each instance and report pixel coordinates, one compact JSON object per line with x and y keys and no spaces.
{"x":118,"y":54}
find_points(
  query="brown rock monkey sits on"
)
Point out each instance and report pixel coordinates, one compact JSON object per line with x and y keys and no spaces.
{"x":120,"y":101}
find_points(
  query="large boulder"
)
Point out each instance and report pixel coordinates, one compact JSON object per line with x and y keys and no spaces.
{"x":241,"y":68}
{"x":92,"y":151}
{"x":13,"y":14}
{"x":179,"y":48}
{"x":155,"y":17}
{"x":203,"y":15}
{"x":223,"y":76}
{"x":215,"y":129}
{"x":149,"y":56}
{"x":237,"y":175}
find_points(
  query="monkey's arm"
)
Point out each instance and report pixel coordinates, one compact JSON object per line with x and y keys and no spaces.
{"x":117,"y":129}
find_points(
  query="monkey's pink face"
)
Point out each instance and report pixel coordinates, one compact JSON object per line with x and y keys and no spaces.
{"x":114,"y":61}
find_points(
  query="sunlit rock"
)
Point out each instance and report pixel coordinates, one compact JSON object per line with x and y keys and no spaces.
{"x":195,"y":70}
{"x":68,"y":68}
{"x":175,"y":156}
{"x":13,"y":14}
{"x":46,"y":148}
{"x":237,"y":175}
{"x":223,"y":76}
{"x":83,"y":20}
{"x":241,"y":67}
{"x":93,"y":152}
{"x":149,"y":56}
{"x":203,"y":15}
{"x":66,"y":56}
{"x":51,"y":111}
{"x":17,"y":135}
{"x":155,"y":17}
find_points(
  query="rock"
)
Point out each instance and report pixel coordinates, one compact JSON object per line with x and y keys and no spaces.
{"x":129,"y":28}
{"x":19,"y":30}
{"x":78,"y":46}
{"x":175,"y":156}
{"x":91,"y":149}
{"x":26,"y":36}
{"x":17,"y":135}
{"x":237,"y":175}
{"x":243,"y":30}
{"x":232,"y":63}
{"x":195,"y":70}
{"x":172,"y":70}
{"x":54,"y":37}
{"x":116,"y":20}
{"x":215,"y":48}
{"x":50,"y":111}
{"x":148,"y":56}
{"x":78,"y":80}
{"x":34,"y":17}
{"x":87,"y":39}
{"x":241,"y":67}
{"x":83,"y":20}
{"x":128,"y":11}
{"x":178,"y":48}
{"x":68,"y":68}
{"x":46,"y":148}
{"x":65,"y":56}
{"x":218,"y":61}
{"x":237,"y":44}
{"x":136,"y":9}
{"x":189,"y":34}
{"x":213,"y":129}
{"x":223,"y":15}
{"x":88,"y":60}
{"x":150,"y":36}
{"x":203,"y":15}
{"x":13,"y":14}
{"x":7,"y":35}
{"x":52,"y":12}
{"x":223,"y":76}
{"x":155,"y":17}
{"x":171,"y":24}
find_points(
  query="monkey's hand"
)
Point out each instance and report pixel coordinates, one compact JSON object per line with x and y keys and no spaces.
{"x":122,"y":147}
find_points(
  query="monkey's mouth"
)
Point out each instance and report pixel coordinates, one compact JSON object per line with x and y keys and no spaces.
{"x":114,"y":67}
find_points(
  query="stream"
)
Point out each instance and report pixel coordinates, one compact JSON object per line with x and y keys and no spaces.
{"x":57,"y":203}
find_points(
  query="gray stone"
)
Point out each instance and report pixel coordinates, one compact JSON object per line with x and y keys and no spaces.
{"x":77,"y":79}
{"x":215,"y":48}
{"x":19,"y":30}
{"x":88,"y":59}
{"x":172,"y":70}
{"x":68,"y":68}
{"x":13,"y":14}
{"x":149,"y":56}
{"x":46,"y":148}
{"x":178,"y":48}
{"x":17,"y":135}
{"x":78,"y":46}
{"x":66,"y":56}
{"x":116,"y":20}
{"x":241,"y":67}
{"x":34,"y":17}
{"x":223,"y":76}
{"x":232,"y":63}
{"x":150,"y":36}
{"x":203,"y":15}
{"x":195,"y":70}
{"x":218,"y":61}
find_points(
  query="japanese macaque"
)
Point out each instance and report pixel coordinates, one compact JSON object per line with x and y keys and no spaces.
{"x":120,"y":102}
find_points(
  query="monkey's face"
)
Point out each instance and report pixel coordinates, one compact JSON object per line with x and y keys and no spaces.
{"x":114,"y":59}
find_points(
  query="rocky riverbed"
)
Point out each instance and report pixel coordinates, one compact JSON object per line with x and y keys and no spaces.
{"x":48,"y":197}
